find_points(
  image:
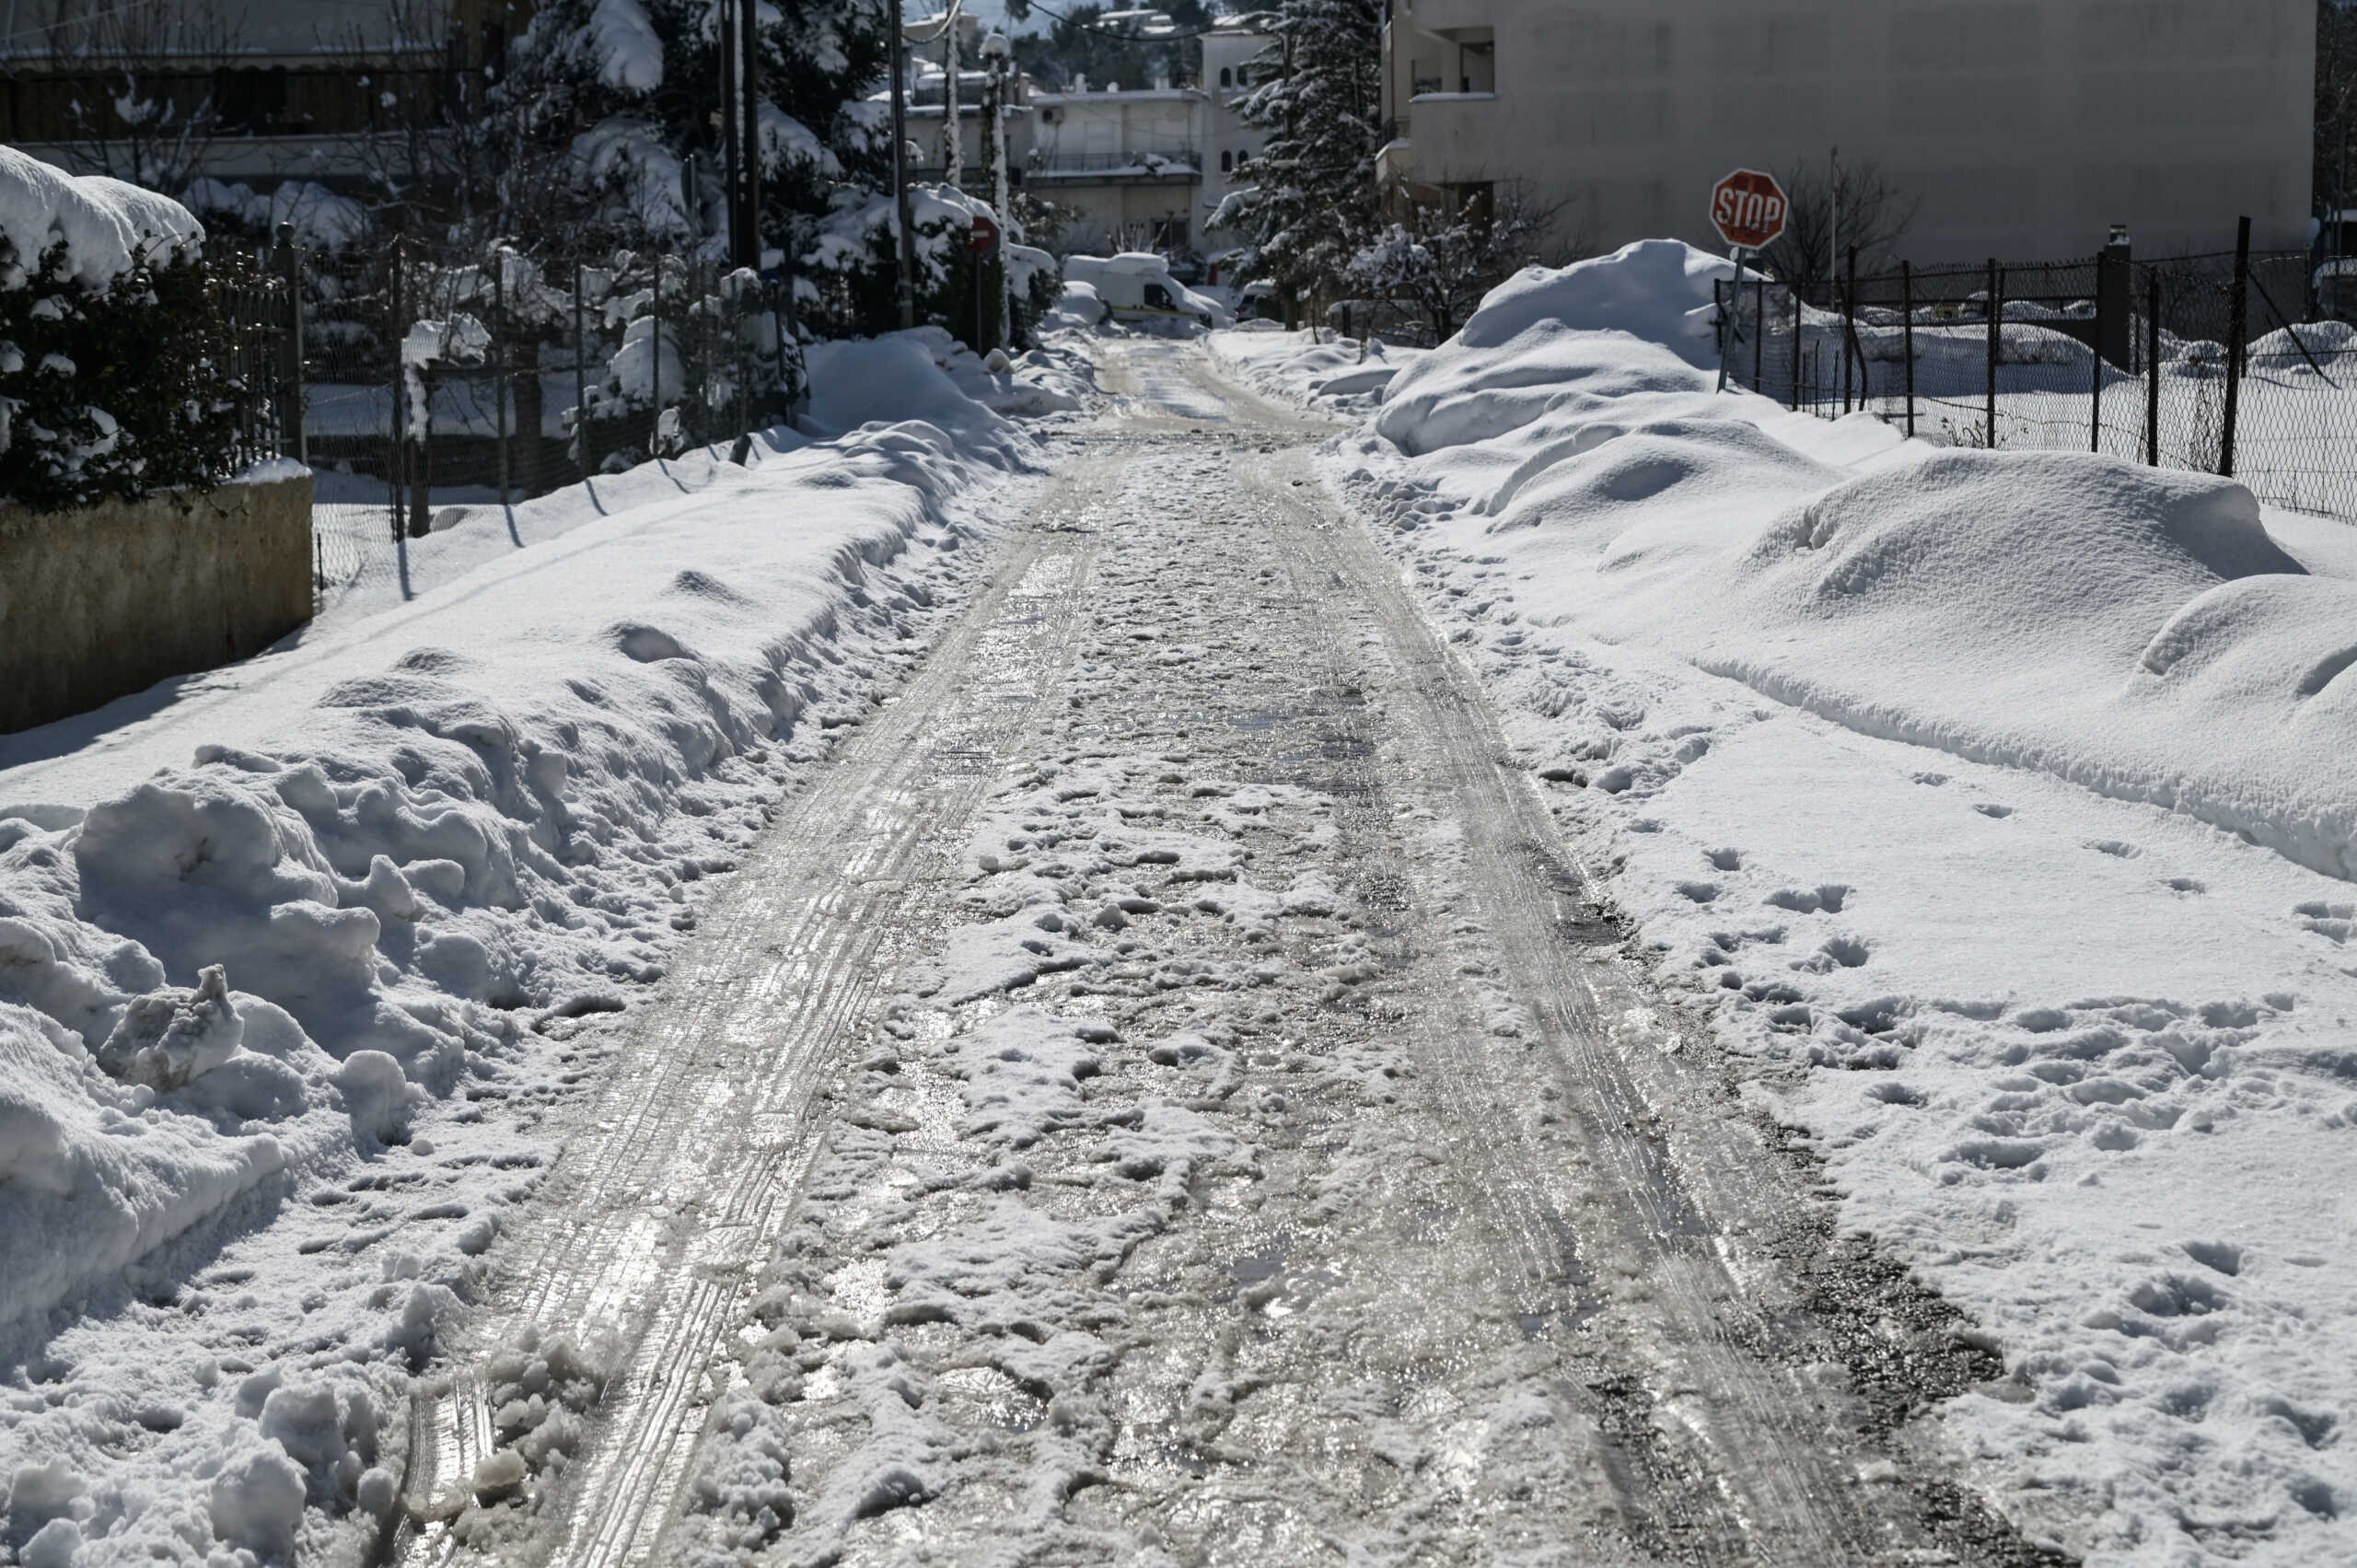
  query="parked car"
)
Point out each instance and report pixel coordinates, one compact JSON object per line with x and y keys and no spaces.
{"x":1136,"y":286}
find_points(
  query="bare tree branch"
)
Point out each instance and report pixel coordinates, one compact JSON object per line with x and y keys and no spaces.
{"x":1875,"y":216}
{"x":151,"y":108}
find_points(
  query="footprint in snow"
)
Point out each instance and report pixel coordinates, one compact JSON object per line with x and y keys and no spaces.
{"x":1986,"y":809}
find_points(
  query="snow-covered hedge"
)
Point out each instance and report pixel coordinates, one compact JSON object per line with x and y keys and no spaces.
{"x":848,"y":286}
{"x":111,"y":378}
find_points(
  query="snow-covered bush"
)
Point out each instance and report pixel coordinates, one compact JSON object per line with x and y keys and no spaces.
{"x":112,"y":378}
{"x":849,"y":281}
{"x":321,"y":219}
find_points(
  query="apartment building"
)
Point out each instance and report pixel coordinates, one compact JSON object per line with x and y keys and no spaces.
{"x":279,"y":88}
{"x":1230,"y":52}
{"x":2021,"y":128}
{"x":1127,"y":162}
{"x":927,"y":106}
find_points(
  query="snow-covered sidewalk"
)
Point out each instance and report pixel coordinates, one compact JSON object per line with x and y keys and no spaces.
{"x":290,"y":953}
{"x":1995,"y":811}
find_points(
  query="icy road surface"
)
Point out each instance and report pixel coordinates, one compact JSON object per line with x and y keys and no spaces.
{"x":1164,"y":1093}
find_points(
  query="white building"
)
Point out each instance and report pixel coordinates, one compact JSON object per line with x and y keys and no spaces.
{"x":1129,"y":161}
{"x":2023,"y":127}
{"x":927,"y":104}
{"x":1229,"y":144}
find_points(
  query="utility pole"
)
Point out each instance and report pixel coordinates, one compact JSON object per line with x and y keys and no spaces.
{"x":740,"y":129}
{"x":995,"y":50}
{"x":900,"y":172}
{"x":953,"y":144}
{"x":732,"y":105}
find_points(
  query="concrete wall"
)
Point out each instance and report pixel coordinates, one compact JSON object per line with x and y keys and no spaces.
{"x":97,"y":604}
{"x":2025,"y":126}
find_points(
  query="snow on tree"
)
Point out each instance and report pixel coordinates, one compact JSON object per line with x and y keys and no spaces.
{"x":1440,"y":261}
{"x":1311,"y":207}
{"x":629,"y":84}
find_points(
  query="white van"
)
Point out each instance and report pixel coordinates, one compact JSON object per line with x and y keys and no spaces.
{"x":1136,"y":286}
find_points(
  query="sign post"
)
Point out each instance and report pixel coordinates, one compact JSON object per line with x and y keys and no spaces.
{"x":984,"y":243}
{"x":1748,"y":209}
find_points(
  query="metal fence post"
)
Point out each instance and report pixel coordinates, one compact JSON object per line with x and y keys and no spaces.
{"x":1758,"y":328}
{"x":744,"y":447}
{"x":1907,"y":342}
{"x":2153,"y":367}
{"x":396,"y":453}
{"x":654,"y":361}
{"x":1719,"y":326}
{"x":1850,"y":328}
{"x":580,"y":383}
{"x":2095,"y":398}
{"x":290,"y":380}
{"x":1852,"y":345}
{"x":1799,"y":323}
{"x":1996,"y":332}
{"x":2238,"y":323}
{"x":499,"y":358}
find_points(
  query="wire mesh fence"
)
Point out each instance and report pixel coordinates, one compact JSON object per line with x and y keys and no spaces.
{"x":421,"y":383}
{"x":2219,"y":364}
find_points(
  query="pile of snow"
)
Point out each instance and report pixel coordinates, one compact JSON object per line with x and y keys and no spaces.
{"x":923,"y":372}
{"x":1346,"y":374}
{"x":104,"y":224}
{"x":2132,"y":630}
{"x":1996,"y":809}
{"x":289,"y":955}
{"x":1078,"y":307}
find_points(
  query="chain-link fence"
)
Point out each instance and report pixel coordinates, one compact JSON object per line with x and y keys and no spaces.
{"x":2104,"y":355}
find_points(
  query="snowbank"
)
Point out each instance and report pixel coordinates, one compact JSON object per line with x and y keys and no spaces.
{"x":402,"y":861}
{"x":2082,"y":615}
{"x":104,"y":224}
{"x":924,"y":373}
{"x":1346,"y":374}
{"x":1995,"y":811}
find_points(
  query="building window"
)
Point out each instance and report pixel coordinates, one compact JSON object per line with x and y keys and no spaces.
{"x":1226,"y":162}
{"x":1226,"y":77}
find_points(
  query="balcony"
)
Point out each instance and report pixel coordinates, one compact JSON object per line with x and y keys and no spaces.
{"x":1163,"y":166}
{"x":1452,"y":135}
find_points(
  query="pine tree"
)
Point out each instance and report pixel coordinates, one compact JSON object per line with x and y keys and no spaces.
{"x":629,"y":85}
{"x":1312,"y":205}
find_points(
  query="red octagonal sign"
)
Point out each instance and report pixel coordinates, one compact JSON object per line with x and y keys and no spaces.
{"x":1749,"y":209}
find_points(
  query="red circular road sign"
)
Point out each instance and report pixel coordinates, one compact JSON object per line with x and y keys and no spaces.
{"x":985,"y":237}
{"x":1749,"y":208}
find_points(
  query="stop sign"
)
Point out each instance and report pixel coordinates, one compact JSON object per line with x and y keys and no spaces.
{"x":1749,"y":208}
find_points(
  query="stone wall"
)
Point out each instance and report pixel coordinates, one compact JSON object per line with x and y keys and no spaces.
{"x":98,"y":603}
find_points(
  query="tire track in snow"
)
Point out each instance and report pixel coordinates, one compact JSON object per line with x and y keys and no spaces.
{"x":1464,"y":1263}
{"x":647,"y":1232}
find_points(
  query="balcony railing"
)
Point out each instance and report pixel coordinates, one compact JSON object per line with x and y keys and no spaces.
{"x":1171,"y":163}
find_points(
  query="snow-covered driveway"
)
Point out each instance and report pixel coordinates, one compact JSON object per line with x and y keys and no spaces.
{"x":1166,"y":1095}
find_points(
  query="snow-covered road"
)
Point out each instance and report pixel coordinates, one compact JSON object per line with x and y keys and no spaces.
{"x":1164,"y":1093}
